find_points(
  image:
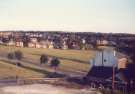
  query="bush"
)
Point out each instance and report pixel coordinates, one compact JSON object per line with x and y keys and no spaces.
{"x":18,"y":55}
{"x":18,"y":64}
{"x":43,"y":59}
{"x":55,"y":62}
{"x":10,"y":56}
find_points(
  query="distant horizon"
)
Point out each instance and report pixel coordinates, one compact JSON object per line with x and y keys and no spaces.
{"x":104,"y":16}
{"x":64,"y":31}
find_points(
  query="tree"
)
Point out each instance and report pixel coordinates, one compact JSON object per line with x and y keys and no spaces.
{"x":130,"y":70}
{"x":55,"y":63}
{"x":10,"y":55}
{"x":18,"y":55}
{"x":43,"y":59}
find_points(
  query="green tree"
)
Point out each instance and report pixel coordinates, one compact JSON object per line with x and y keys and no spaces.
{"x":43,"y":59}
{"x":18,"y":55}
{"x":10,"y":55}
{"x":55,"y":62}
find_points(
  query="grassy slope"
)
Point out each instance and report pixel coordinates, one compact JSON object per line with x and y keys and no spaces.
{"x":71,"y":60}
{"x":81,"y":55}
{"x":10,"y":71}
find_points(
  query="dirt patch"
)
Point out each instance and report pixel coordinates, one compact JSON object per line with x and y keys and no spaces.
{"x":43,"y":89}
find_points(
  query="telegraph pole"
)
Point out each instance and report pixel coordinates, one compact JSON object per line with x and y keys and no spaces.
{"x":113,"y":75}
{"x":102,"y":58}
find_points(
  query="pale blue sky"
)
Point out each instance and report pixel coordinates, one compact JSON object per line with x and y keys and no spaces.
{"x":70,"y":15}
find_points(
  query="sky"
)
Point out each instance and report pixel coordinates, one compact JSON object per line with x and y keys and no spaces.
{"x":109,"y":16}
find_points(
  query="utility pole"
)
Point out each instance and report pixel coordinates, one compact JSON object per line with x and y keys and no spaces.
{"x":102,"y":58}
{"x":113,"y":75}
{"x":113,"y":79}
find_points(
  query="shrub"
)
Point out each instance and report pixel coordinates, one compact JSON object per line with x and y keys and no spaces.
{"x":18,"y":55}
{"x":43,"y":59}
{"x":10,"y":56}
{"x":55,"y":62}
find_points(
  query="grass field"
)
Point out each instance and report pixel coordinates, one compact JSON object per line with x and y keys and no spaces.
{"x":71,"y":60}
{"x":8,"y":71}
{"x":81,"y":55}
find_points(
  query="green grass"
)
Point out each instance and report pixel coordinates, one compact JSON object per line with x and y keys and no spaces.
{"x":71,"y":60}
{"x":11,"y":71}
{"x":74,"y":66}
{"x":81,"y":55}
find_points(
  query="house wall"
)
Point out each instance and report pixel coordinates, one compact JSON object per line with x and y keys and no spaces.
{"x":104,"y":58}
